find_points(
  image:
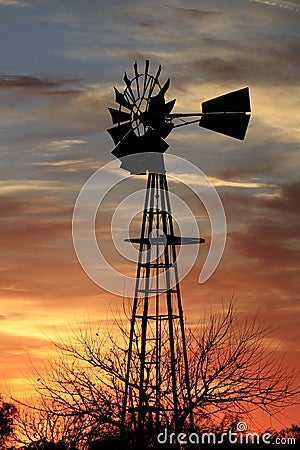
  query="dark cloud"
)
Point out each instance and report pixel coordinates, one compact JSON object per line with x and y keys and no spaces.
{"x":269,"y":62}
{"x":288,"y":202}
{"x":11,"y":206}
{"x":145,"y":24}
{"x":31,"y":234}
{"x":262,"y":242}
{"x":279,"y":202}
{"x":243,"y":172}
{"x":272,"y":63}
{"x":34,"y":229}
{"x":275,"y":206}
{"x":268,"y":242}
{"x":36,"y":86}
{"x":194,"y":13}
{"x":60,"y":93}
{"x":28,"y":206}
{"x":25,"y":81}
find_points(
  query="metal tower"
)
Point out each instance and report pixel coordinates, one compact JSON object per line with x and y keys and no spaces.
{"x":157,"y":387}
{"x":157,"y":392}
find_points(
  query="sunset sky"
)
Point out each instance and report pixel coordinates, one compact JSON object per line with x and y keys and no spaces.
{"x":59,"y":62}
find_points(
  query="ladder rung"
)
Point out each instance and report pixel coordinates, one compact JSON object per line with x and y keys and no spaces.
{"x":156,"y":265}
{"x":159,"y":211}
{"x":158,"y":291}
{"x":160,"y":317}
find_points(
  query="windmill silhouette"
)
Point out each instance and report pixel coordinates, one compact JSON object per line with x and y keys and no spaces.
{"x":157,"y":389}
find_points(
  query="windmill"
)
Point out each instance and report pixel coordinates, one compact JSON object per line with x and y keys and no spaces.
{"x":155,"y":393}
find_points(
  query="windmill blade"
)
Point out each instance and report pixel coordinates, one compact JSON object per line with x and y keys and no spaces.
{"x":159,"y":100}
{"x":146,"y":74}
{"x":165,"y":87}
{"x":132,"y":144}
{"x":157,"y":104}
{"x":118,"y":133}
{"x":156,"y":107}
{"x":156,"y":111}
{"x":135,"y":67}
{"x":126,"y":79}
{"x":129,"y":144}
{"x":165,"y":129}
{"x":236,"y":101}
{"x":169,"y":106}
{"x":231,"y":124}
{"x":137,"y":75}
{"x":118,"y":116}
{"x":157,"y":74}
{"x":130,"y":93}
{"x":152,"y":141}
{"x":121,"y":99}
{"x":156,"y":118}
{"x":155,"y":81}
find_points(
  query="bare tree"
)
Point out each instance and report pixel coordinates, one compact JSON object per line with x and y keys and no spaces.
{"x":233,"y":371}
{"x":7,"y":416}
{"x":39,"y":426}
{"x":234,"y":367}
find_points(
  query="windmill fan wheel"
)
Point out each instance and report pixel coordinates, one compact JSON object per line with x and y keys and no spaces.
{"x":140,"y":121}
